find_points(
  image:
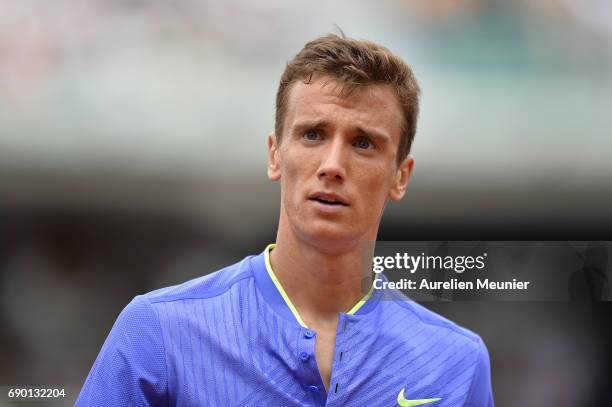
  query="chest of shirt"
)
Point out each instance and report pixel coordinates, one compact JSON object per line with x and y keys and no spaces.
{"x":232,"y":356}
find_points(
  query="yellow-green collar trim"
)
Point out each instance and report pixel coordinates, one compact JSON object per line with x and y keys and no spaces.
{"x":278,"y":285}
{"x":362,"y":301}
{"x":283,"y":294}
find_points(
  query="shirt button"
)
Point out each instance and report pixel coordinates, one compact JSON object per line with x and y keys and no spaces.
{"x":304,"y":356}
{"x":308,"y":333}
{"x":313,"y":388}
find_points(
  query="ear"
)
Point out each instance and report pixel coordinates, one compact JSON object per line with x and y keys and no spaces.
{"x":274,"y":172}
{"x":402,"y":176}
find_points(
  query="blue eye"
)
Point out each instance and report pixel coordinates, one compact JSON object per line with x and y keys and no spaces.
{"x":362,"y":143}
{"x":312,"y":135}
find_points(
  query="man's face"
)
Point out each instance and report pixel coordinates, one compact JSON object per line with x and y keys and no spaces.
{"x":337,"y":161}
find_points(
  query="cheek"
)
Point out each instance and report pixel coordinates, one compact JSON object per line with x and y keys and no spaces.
{"x":297,"y":164}
{"x":294,"y":170}
{"x":375,"y":189}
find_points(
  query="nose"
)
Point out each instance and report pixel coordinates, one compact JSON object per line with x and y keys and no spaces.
{"x":333,"y":166}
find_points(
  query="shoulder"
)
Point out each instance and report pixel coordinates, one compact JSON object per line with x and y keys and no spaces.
{"x":208,"y":286}
{"x":432,"y":321}
{"x":132,"y":366}
{"x":156,"y":311}
{"x":144,"y":322}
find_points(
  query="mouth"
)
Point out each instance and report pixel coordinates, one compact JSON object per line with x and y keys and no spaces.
{"x":328,"y":199}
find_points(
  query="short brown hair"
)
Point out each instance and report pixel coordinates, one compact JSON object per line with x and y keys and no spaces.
{"x":355,"y":63}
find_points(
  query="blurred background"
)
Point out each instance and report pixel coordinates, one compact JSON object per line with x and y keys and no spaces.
{"x":133,"y":153}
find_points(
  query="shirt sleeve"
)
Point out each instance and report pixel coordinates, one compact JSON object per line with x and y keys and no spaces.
{"x":481,"y":392}
{"x":131,"y":367}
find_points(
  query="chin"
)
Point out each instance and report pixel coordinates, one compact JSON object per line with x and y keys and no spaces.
{"x":331,"y":238}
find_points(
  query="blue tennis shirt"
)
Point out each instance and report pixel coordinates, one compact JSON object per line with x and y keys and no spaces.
{"x":233,"y":338}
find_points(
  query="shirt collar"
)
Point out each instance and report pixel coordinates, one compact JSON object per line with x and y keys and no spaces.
{"x":275,"y":295}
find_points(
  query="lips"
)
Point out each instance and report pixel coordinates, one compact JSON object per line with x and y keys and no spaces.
{"x":328,"y":198}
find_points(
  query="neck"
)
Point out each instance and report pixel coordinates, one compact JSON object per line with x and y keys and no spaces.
{"x":320,"y":284}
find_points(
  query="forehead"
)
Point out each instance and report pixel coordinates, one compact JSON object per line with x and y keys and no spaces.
{"x":375,"y":106}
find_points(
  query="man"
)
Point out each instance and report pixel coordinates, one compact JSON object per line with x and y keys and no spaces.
{"x":291,"y":326}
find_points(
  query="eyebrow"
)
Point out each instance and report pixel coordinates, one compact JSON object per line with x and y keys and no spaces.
{"x":320,"y":124}
{"x":309,"y":124}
